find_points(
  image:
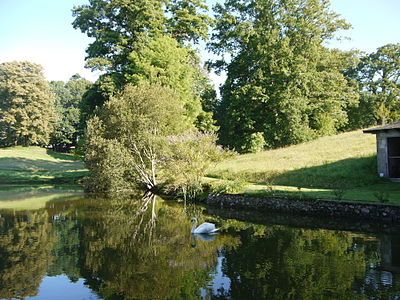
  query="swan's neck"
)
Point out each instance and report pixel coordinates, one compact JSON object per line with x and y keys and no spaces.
{"x":194,"y":226}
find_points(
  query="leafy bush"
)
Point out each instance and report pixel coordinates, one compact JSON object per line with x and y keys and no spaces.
{"x":188,"y":157}
{"x":255,"y":142}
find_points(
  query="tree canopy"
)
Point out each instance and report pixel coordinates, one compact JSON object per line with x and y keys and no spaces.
{"x":146,"y":40}
{"x":378,"y":76}
{"x":69,"y":95}
{"x":124,"y":145}
{"x":281,"y":80}
{"x":26,"y":105}
{"x":120,"y":26}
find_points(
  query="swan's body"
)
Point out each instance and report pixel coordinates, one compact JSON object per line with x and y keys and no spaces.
{"x":208,"y":228}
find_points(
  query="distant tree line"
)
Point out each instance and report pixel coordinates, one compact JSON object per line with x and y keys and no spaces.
{"x":284,"y":86}
{"x":36,"y":112}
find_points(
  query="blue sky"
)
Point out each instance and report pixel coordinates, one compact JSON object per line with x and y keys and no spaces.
{"x":40,"y":31}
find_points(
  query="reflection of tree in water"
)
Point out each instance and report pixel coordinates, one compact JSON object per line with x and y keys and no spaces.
{"x":294,"y":264}
{"x":142,"y":250}
{"x":126,"y":248}
{"x":66,"y":248}
{"x":382,"y":280}
{"x":25,"y":245}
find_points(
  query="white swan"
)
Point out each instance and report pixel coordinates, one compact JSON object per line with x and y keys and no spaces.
{"x":203,"y":228}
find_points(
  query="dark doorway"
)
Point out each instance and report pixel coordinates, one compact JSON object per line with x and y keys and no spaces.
{"x":394,"y":157}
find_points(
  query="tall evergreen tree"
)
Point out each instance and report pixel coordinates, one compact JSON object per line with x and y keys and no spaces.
{"x":283,"y":86}
{"x":26,"y":105}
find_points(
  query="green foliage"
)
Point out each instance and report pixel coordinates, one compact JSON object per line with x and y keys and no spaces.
{"x":26,"y":105}
{"x":119,"y":26}
{"x":378,"y":75}
{"x":163,"y":61}
{"x":287,"y":263}
{"x":205,"y":122}
{"x":228,"y":187}
{"x":67,"y":127}
{"x":125,"y":142}
{"x":188,"y":157}
{"x":145,"y":40}
{"x":26,"y":242}
{"x":281,"y":80}
{"x":188,"y":20}
{"x":254,"y":143}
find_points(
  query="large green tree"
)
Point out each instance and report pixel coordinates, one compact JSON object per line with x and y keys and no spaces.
{"x":118,"y":26}
{"x":378,"y":75}
{"x":68,"y":125}
{"x":141,"y":138}
{"x":145,"y":40}
{"x":26,"y":105}
{"x":283,"y":86}
{"x":124,"y":144}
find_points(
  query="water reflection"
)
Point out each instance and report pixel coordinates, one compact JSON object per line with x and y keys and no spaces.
{"x":141,"y":247}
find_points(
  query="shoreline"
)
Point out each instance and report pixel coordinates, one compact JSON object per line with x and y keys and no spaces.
{"x":362,"y":211}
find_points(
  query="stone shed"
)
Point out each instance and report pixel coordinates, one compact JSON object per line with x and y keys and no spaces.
{"x":388,"y":149}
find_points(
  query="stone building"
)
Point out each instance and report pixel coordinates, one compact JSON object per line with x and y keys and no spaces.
{"x":388,"y":149}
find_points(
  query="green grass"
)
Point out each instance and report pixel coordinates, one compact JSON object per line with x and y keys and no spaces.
{"x":34,"y":165}
{"x":333,"y":167}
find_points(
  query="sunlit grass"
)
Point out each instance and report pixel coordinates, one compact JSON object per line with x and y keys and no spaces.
{"x":334,"y":167}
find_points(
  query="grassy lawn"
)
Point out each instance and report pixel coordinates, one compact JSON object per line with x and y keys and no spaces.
{"x":35,"y":165}
{"x":340,"y":167}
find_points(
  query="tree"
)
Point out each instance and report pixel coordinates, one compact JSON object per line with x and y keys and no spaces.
{"x":281,"y":80}
{"x":26,"y":105}
{"x":145,"y":40}
{"x":163,"y":61}
{"x":26,"y":242}
{"x":119,"y":26}
{"x":68,"y":125}
{"x":188,"y":21}
{"x":125,"y":142}
{"x":378,"y":75}
{"x":189,"y":156}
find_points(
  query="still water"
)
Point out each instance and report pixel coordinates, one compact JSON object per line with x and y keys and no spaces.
{"x":133,"y":247}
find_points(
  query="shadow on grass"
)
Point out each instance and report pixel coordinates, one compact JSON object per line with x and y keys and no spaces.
{"x":22,"y":170}
{"x":19,"y":163}
{"x":62,"y":156}
{"x":346,"y":173}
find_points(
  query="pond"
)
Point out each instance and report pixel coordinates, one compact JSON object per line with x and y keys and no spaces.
{"x":140,"y":247}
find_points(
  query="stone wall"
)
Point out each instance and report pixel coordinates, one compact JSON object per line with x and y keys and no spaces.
{"x":383,"y":213}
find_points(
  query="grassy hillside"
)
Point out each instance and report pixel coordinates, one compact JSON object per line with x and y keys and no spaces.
{"x":335,"y":167}
{"x":23,"y":165}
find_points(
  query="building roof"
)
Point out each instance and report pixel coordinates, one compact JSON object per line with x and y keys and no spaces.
{"x":395,"y":125}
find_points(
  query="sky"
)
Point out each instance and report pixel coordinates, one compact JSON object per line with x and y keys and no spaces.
{"x":40,"y":31}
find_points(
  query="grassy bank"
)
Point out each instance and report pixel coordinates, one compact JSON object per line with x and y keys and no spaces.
{"x":341,"y":167}
{"x":35,"y":165}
